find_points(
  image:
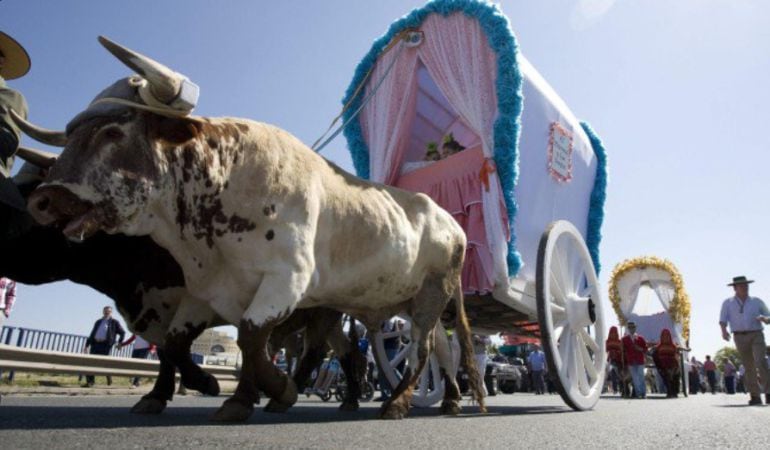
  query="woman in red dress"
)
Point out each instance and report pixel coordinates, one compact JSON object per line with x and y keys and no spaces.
{"x":666,"y":357}
{"x":618,"y":373}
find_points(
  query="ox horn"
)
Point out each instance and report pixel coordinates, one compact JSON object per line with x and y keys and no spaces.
{"x":50,"y":137}
{"x":40,"y":158}
{"x":165,"y":84}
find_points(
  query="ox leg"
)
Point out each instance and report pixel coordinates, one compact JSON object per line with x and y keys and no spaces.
{"x":257,"y":372}
{"x":274,"y":302}
{"x":426,"y":308}
{"x":187,"y":325}
{"x":451,"y":403}
{"x":162,"y":392}
{"x":353,"y":363}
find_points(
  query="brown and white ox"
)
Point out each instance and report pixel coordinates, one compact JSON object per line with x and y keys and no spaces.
{"x":261,"y":225}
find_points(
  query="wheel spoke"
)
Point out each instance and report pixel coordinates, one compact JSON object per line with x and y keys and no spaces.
{"x":423,"y":383}
{"x":563,"y":268}
{"x":589,"y":341}
{"x":556,"y":309}
{"x":588,"y":363}
{"x":400,"y":356}
{"x":565,"y":352}
{"x":556,"y":286}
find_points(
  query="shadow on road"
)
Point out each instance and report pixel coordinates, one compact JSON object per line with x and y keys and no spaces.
{"x":81,"y":417}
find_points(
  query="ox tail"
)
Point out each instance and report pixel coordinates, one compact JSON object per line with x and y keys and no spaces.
{"x":467,"y":360}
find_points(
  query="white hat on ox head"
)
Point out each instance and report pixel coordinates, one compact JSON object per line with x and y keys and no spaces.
{"x":17,"y":62}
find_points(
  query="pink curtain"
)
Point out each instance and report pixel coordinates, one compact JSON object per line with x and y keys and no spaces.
{"x":462,"y":64}
{"x":386,"y":119}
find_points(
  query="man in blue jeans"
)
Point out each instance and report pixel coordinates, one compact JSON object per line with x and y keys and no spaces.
{"x":635,"y":349}
{"x":103,"y":336}
{"x":536,"y":363}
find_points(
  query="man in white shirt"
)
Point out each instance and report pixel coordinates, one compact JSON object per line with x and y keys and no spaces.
{"x":745,"y":315}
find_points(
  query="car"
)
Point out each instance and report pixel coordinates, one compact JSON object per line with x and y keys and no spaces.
{"x":525,"y":381}
{"x":501,"y":376}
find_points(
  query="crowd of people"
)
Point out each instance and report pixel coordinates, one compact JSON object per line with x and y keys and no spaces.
{"x":637,"y":366}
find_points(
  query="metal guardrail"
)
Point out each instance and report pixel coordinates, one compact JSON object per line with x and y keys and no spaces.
{"x":31,"y":360}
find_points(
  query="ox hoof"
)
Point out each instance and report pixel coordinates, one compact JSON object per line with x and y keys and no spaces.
{"x":394,"y":411}
{"x":450,"y":408}
{"x":274,"y":406}
{"x":149,"y":405}
{"x":233,"y":411}
{"x":349,"y":406}
{"x":213,"y":387}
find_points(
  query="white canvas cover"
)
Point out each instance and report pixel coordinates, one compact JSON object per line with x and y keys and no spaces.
{"x":649,"y":322}
{"x":447,"y":84}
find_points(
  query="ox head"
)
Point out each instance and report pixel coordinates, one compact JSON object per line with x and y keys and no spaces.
{"x":111,"y":168}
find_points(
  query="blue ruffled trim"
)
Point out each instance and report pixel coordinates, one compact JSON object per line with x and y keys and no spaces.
{"x":598,"y":196}
{"x":507,"y":128}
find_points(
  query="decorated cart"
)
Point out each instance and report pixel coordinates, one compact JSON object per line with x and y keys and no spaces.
{"x":444,"y":103}
{"x":649,"y":291}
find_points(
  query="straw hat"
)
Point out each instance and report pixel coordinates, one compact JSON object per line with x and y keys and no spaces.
{"x":17,"y":61}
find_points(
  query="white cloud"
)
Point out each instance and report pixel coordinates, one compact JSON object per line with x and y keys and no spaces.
{"x":588,"y":12}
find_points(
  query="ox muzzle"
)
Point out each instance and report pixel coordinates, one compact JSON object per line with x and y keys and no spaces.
{"x":56,"y":205}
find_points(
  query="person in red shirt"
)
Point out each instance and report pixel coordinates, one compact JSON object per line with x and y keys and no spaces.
{"x":619,"y":376}
{"x":710,"y":368}
{"x":635,"y":349}
{"x":666,"y":357}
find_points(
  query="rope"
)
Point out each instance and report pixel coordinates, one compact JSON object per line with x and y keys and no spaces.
{"x":398,"y":39}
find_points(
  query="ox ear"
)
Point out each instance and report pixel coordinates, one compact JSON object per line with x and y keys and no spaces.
{"x":173,"y":130}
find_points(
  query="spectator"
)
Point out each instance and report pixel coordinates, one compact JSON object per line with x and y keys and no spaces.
{"x":103,"y":336}
{"x":391,"y":342}
{"x":666,"y":359}
{"x":614,"y":349}
{"x":744,"y":315}
{"x":536,"y":363}
{"x":694,"y":376}
{"x":326,"y":375}
{"x":710,"y":368}
{"x":729,"y":374}
{"x":7,"y":298}
{"x":480,"y":343}
{"x":635,"y":349}
{"x":739,"y":385}
{"x":141,"y":349}
{"x":14,"y":63}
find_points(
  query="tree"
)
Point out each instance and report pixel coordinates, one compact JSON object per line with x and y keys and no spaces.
{"x":727,"y":352}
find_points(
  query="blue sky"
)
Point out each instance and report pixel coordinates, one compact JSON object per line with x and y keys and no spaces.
{"x":675,"y":89}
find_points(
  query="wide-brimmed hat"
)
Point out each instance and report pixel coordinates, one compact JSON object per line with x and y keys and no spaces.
{"x":740,"y":280}
{"x":17,"y":62}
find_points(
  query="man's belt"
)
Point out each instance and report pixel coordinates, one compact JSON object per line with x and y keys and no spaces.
{"x":746,"y":332}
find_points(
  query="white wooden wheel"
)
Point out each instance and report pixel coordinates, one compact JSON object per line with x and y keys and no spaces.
{"x":569,"y":310}
{"x":430,"y":389}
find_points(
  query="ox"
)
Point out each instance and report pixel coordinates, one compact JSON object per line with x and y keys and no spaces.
{"x":147,"y":286}
{"x":260,"y":225}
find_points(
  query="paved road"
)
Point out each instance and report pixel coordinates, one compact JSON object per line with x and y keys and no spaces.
{"x":519,"y":421}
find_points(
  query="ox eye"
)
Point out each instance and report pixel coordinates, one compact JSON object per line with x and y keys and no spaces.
{"x":113,"y":133}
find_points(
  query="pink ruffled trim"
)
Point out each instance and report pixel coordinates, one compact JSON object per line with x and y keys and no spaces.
{"x":454,"y":184}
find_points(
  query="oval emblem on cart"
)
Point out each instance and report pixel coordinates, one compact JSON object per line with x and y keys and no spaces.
{"x":560,"y":153}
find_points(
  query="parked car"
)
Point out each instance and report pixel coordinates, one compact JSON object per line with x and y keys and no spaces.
{"x":501,"y":375}
{"x":525,"y":382}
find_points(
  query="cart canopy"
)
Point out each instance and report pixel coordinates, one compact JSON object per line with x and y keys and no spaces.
{"x":445,"y":104}
{"x":663,"y":283}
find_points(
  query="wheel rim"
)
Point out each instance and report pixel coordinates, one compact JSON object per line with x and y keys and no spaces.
{"x":430,"y":388}
{"x":570,"y":315}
